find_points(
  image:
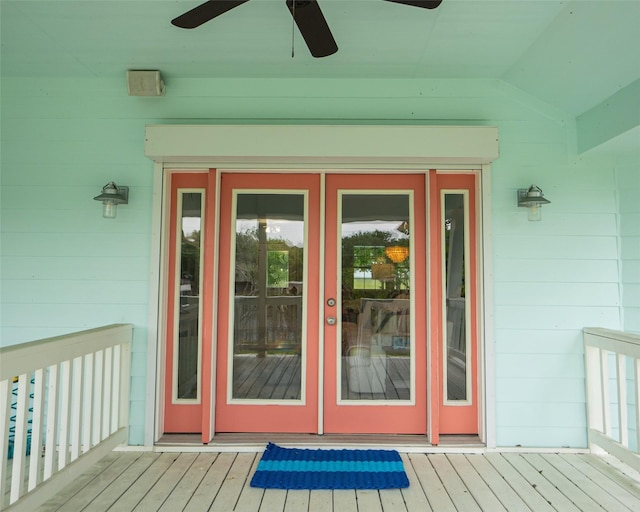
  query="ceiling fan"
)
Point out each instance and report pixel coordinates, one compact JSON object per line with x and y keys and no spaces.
{"x":306,"y":14}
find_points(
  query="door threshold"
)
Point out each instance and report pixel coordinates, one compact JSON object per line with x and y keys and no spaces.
{"x":251,"y":442}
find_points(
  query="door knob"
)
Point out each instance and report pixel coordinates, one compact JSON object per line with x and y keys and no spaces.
{"x":331,"y":320}
{"x":331,"y":302}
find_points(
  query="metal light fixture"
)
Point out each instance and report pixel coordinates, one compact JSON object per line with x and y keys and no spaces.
{"x":532,"y":198}
{"x":112,"y":195}
{"x":397,"y":253}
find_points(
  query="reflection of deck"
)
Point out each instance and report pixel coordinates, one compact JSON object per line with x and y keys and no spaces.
{"x":272,"y":377}
{"x":278,"y":377}
{"x":393,"y":378}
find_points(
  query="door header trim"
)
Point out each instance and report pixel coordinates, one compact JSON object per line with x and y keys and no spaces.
{"x":249,"y":145}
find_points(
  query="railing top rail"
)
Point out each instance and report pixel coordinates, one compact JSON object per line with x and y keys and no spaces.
{"x":626,"y":343}
{"x":25,"y":357}
{"x":627,"y":337}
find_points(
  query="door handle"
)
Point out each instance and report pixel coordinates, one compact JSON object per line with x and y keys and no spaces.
{"x":331,"y":320}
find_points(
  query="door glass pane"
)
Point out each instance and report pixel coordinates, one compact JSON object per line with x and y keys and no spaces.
{"x":268,"y":296}
{"x":190,"y":220}
{"x":376,"y":345}
{"x":456,"y":317}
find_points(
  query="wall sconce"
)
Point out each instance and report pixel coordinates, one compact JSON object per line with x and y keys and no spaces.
{"x":532,"y":198}
{"x":112,"y":195}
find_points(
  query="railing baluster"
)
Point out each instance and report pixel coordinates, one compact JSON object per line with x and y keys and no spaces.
{"x":636,"y":387}
{"x":5,"y":414}
{"x":106,"y":409}
{"x":20,"y":439}
{"x":97,"y":396}
{"x":115,"y":406}
{"x":76,"y":407}
{"x":623,"y":418}
{"x":604,"y":384}
{"x":65,"y":413}
{"x":35,"y":461}
{"x":51,"y":439}
{"x":124,"y":373}
{"x":87,"y":409}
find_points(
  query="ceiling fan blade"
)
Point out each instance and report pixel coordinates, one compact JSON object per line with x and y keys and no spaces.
{"x":313,"y":27}
{"x":425,"y":4}
{"x":205,"y":12}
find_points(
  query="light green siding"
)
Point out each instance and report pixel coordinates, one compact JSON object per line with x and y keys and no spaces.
{"x":65,"y":268}
{"x":629,"y":189}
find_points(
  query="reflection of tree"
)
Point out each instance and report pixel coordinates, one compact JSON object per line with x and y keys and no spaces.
{"x":247,"y":256}
{"x":376,"y":241}
{"x":247,"y":259}
{"x":277,"y":269}
{"x":190,"y":260}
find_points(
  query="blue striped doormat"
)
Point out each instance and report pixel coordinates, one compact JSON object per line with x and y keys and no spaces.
{"x":293,"y":468}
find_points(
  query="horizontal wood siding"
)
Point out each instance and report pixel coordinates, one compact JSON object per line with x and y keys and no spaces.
{"x":65,"y":268}
{"x":629,"y":191}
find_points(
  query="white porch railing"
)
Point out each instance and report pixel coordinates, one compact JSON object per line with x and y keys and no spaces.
{"x":612,"y":362}
{"x":64,"y":403}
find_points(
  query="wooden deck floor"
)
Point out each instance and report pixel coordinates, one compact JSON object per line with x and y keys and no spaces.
{"x":494,"y":482}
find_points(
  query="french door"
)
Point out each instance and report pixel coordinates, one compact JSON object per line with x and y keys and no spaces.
{"x":373,"y":341}
{"x":375,"y":350}
{"x":268,"y":323}
{"x":328,"y":316}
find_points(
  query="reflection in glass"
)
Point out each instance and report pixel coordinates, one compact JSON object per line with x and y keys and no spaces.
{"x":376,"y":343}
{"x":454,"y":253}
{"x":268,"y":296}
{"x":190,"y":219}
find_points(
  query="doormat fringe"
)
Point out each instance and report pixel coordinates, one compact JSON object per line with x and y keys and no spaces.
{"x":294,"y":468}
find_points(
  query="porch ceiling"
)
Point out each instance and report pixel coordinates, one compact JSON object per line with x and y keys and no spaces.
{"x":573,"y":55}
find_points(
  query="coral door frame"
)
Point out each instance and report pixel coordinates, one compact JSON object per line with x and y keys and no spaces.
{"x":288,"y":149}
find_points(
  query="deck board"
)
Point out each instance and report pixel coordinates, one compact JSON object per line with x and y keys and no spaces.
{"x":168,"y":481}
{"x":119,"y":485}
{"x":547,"y":489}
{"x":455,"y":487}
{"x":593,"y":488}
{"x":441,"y":482}
{"x":478,"y":488}
{"x":85,"y":495}
{"x":209,"y":486}
{"x":147,"y":480}
{"x":368,"y":500}
{"x":182,"y":493}
{"x":579,"y":497}
{"x":414,"y":495}
{"x":497,"y":483}
{"x":231,"y":488}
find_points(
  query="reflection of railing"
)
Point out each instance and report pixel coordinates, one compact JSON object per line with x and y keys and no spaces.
{"x":609,"y":355}
{"x":188,"y":349}
{"x":456,"y":324}
{"x":80,"y":388}
{"x":282,"y":325}
{"x":456,"y":349}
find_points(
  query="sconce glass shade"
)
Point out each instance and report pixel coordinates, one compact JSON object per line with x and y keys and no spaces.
{"x":112,"y":195}
{"x":532,"y":198}
{"x":397,"y":253}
